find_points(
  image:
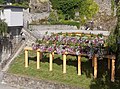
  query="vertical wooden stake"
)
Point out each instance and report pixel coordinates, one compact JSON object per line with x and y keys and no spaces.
{"x":38,"y":59}
{"x":79,"y":65}
{"x":26,"y":58}
{"x":50,"y":59}
{"x":113,"y":70}
{"x":64,"y":63}
{"x":53,"y":55}
{"x":95,"y":66}
{"x":93,"y":62}
{"x":108,"y":62}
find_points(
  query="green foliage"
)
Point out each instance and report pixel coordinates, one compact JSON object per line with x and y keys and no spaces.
{"x":3,"y":27}
{"x":2,"y":1}
{"x":67,"y":22}
{"x":52,"y":17}
{"x":22,"y":4}
{"x":111,"y":42}
{"x":112,"y":6}
{"x":72,"y":23}
{"x":86,"y":8}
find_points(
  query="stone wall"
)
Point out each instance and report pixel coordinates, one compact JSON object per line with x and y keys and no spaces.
{"x":104,"y":6}
{"x":31,"y":83}
{"x":39,"y":30}
{"x":103,"y":19}
{"x":39,"y":6}
{"x":29,"y":17}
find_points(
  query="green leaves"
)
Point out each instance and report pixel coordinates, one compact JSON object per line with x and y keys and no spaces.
{"x":3,"y":27}
{"x":86,"y":8}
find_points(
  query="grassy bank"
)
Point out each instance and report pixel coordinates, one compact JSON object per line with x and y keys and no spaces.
{"x":71,"y":78}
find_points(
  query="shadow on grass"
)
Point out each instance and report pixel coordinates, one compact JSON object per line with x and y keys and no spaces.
{"x":86,"y":66}
{"x":104,"y":75}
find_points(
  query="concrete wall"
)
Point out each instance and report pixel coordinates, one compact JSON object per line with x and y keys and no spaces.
{"x":5,"y":15}
{"x":16,"y":17}
{"x":13,"y":16}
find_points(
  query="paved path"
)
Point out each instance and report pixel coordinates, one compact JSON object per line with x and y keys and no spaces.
{"x":4,"y":86}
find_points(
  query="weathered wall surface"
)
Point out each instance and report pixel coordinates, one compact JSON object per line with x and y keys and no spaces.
{"x":39,"y":6}
{"x":39,"y":30}
{"x":29,"y":17}
{"x":103,"y":19}
{"x":104,"y":6}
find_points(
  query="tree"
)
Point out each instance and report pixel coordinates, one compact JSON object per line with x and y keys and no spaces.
{"x":86,"y":8}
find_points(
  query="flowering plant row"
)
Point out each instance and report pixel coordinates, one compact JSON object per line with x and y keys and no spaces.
{"x":72,"y":44}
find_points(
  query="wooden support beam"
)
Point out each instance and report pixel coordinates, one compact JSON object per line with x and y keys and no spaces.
{"x":41,"y":55}
{"x":51,"y":60}
{"x":79,"y":65}
{"x":64,"y":63}
{"x":113,"y":70}
{"x":38,"y":59}
{"x":28,"y":48}
{"x":93,"y":62}
{"x":53,"y":55}
{"x":26,"y":58}
{"x":95,"y":66}
{"x":108,"y":62}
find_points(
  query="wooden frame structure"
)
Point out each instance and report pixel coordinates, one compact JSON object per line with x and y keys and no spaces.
{"x":94,"y":62}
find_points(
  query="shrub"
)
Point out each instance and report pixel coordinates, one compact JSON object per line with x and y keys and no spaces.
{"x":67,"y":22}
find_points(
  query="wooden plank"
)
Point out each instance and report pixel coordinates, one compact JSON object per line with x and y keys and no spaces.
{"x":41,"y":55}
{"x":38,"y":59}
{"x":113,"y":70}
{"x":51,"y":60}
{"x":95,"y":66}
{"x":53,"y":55}
{"x":28,"y":48}
{"x":79,"y":65}
{"x":108,"y":62}
{"x":64,"y":63}
{"x":26,"y":58}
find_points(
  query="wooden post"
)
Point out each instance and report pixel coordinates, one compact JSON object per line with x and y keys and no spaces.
{"x":53,"y":55}
{"x":108,"y":62}
{"x":38,"y":59}
{"x":26,"y":58}
{"x":93,"y":62}
{"x":113,"y":70}
{"x":41,"y":55}
{"x":79,"y":65}
{"x":50,"y":59}
{"x":64,"y":63}
{"x":95,"y":66}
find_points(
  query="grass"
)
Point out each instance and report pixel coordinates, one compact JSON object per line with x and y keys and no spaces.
{"x":71,"y":78}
